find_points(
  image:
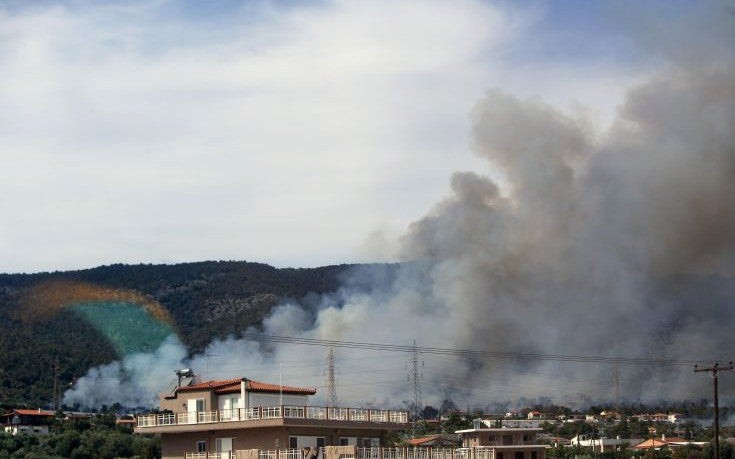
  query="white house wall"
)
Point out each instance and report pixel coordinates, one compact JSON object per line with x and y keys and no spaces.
{"x":265,"y":399}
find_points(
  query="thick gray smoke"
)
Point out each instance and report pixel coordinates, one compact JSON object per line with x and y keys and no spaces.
{"x":612,"y":244}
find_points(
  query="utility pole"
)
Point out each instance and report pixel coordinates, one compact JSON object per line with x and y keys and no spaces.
{"x":280,"y":386}
{"x":616,"y":376}
{"x":714,"y":371}
{"x":331,"y":381}
{"x":56,"y":384}
{"x":415,"y":379}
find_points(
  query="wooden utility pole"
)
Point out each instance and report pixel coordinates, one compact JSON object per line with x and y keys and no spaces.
{"x":714,"y":371}
{"x":56,"y":384}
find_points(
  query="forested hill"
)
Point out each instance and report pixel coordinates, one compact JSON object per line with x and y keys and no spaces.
{"x":206,"y":300}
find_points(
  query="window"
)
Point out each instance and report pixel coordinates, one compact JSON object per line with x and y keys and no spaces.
{"x":491,"y":438}
{"x":525,"y":438}
{"x":507,"y":439}
{"x":344,"y":441}
{"x":533,"y":454}
{"x":223,"y":445}
{"x":201,"y":446}
{"x":293,"y":442}
{"x":320,"y":442}
{"x":519,"y":455}
{"x":200,"y":404}
{"x":499,"y":455}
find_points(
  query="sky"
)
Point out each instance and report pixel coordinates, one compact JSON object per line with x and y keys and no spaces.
{"x":291,"y":133}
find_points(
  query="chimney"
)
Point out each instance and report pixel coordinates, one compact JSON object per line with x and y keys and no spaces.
{"x":243,"y":394}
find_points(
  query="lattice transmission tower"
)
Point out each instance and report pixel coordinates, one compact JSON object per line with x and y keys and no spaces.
{"x":331,"y":380}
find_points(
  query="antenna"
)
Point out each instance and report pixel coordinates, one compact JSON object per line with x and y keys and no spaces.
{"x":414,"y":379}
{"x":331,"y":381}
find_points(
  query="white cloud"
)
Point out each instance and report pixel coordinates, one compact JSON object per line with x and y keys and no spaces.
{"x":283,"y":135}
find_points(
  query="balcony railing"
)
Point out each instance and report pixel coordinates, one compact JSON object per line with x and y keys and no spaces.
{"x":365,"y":453}
{"x":225,"y":455}
{"x":273,"y":412}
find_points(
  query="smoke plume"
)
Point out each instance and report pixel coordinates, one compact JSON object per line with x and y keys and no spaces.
{"x":585,"y":243}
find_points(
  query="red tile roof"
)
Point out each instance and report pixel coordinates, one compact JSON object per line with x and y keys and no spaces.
{"x":215,"y":384}
{"x":422,"y":440}
{"x":255,"y":386}
{"x":657,"y":442}
{"x":24,"y":412}
{"x":227,"y":386}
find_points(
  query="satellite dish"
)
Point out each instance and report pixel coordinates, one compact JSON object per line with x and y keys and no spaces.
{"x":15,"y":420}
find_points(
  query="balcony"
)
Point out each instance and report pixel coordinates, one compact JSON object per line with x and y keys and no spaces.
{"x":365,"y":453}
{"x":273,"y":412}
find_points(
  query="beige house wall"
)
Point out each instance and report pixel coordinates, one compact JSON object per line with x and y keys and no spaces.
{"x":495,"y":438}
{"x":178,"y":403}
{"x":176,"y":445}
{"x":524,"y":453}
{"x":509,"y":444}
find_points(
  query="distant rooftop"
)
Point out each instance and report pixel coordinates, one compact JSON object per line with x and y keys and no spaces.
{"x":501,"y":429}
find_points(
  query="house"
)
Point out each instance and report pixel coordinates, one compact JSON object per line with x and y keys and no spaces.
{"x":33,"y":422}
{"x":216,"y":418}
{"x":602,"y":445}
{"x":660,"y":417}
{"x":535,"y":415}
{"x":554,"y":440}
{"x":519,"y":423}
{"x":675,"y":418}
{"x":609,"y":415}
{"x":665,"y":443}
{"x":502,"y":442}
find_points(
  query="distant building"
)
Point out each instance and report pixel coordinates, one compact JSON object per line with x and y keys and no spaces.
{"x":609,"y":415}
{"x":503,"y":443}
{"x":601,"y":445}
{"x":575,"y":418}
{"x":535,"y":415}
{"x":660,"y":417}
{"x":32,"y":422}
{"x":519,"y":423}
{"x":666,"y":443}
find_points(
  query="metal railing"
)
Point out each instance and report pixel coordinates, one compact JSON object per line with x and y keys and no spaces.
{"x":365,"y":453}
{"x":290,"y":454}
{"x":423,"y":453}
{"x":225,"y":455}
{"x":273,"y":412}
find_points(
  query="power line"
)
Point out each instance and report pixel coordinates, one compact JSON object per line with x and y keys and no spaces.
{"x":497,"y":354}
